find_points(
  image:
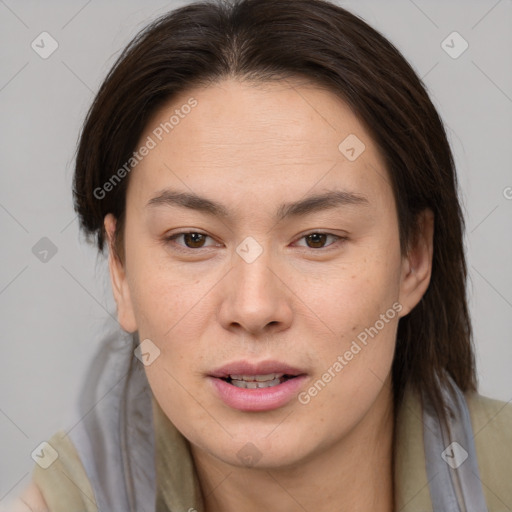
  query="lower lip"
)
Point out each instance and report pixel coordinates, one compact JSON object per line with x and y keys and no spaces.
{"x":259,"y":399}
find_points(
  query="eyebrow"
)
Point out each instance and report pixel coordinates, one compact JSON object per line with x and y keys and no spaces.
{"x":310,"y":204}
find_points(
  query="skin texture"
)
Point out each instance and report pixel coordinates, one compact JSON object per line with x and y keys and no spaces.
{"x":252,"y":148}
{"x":31,"y":500}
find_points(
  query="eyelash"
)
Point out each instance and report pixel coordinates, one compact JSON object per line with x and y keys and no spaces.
{"x":181,"y":248}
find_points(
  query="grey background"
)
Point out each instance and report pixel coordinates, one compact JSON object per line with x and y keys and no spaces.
{"x":55,"y":313}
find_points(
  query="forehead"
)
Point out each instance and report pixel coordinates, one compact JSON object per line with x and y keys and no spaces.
{"x":269,"y":139}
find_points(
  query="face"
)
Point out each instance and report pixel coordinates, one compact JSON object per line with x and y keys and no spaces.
{"x":262,"y":259}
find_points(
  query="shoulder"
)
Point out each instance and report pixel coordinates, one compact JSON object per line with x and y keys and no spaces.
{"x":59,"y":482}
{"x":491,"y":420}
{"x":492,"y":431}
{"x":483,"y":407}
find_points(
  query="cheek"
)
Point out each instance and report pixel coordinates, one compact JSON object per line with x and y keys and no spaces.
{"x":163,"y":294}
{"x":360,"y":306}
{"x":181,"y":402}
{"x":353,"y":295}
{"x":353,"y":369}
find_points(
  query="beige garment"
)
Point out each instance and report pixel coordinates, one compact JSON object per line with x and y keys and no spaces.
{"x":64,"y":485}
{"x":66,"y":488}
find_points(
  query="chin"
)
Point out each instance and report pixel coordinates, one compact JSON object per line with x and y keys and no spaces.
{"x":258,"y":449}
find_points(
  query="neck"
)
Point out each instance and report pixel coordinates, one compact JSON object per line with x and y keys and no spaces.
{"x":353,"y":474}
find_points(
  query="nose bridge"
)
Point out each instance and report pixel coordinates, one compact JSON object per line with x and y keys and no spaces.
{"x":252,"y":278}
{"x":255,"y":294}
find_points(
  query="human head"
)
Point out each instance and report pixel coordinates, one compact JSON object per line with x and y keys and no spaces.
{"x":266,"y":42}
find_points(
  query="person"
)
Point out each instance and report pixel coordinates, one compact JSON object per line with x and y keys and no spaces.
{"x":285,"y":239}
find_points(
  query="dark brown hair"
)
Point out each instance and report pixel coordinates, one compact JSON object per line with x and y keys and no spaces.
{"x":262,"y":40}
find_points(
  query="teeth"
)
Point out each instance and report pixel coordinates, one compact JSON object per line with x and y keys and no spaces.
{"x":253,"y":384}
{"x":257,"y":378}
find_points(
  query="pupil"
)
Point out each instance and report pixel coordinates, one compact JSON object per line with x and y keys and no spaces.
{"x":317,"y":238}
{"x":194,"y":239}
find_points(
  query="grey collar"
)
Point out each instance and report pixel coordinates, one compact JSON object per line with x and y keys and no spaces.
{"x":452,"y":466}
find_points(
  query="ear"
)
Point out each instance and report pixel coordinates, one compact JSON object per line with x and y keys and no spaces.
{"x":417,"y":264}
{"x":120,"y":288}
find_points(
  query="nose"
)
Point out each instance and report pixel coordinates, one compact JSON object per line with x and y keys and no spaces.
{"x":256,"y":297}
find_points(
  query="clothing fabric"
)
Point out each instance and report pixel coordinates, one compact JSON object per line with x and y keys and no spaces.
{"x":125,"y":454}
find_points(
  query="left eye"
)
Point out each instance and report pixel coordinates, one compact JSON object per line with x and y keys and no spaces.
{"x":196,"y":240}
{"x":317,"y":240}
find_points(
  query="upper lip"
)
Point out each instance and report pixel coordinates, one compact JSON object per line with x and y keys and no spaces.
{"x":251,"y":368}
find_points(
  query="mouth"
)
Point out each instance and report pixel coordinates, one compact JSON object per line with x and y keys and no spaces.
{"x":258,"y":381}
{"x":257,"y":386}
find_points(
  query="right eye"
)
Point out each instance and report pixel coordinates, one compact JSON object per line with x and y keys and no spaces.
{"x":191,"y":240}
